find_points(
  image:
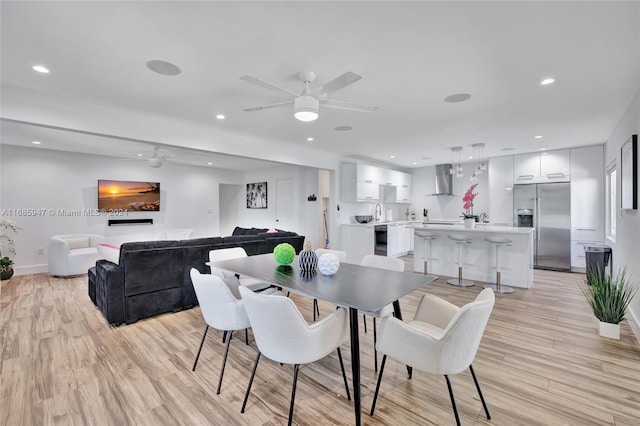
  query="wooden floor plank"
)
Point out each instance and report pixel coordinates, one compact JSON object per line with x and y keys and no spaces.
{"x":540,"y":362}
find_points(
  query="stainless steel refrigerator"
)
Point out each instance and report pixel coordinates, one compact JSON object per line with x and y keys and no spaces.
{"x":546,"y":207}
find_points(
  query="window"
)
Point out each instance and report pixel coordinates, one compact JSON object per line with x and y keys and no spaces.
{"x":611,"y":201}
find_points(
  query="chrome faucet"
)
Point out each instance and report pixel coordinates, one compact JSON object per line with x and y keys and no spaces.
{"x":378,"y":212}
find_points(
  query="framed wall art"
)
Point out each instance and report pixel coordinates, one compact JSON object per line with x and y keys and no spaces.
{"x":257,"y":195}
{"x":629,"y":173}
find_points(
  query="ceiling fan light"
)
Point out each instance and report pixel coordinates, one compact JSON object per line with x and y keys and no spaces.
{"x":306,"y":108}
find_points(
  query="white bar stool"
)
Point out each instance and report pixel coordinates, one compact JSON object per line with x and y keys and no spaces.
{"x":497,"y":242}
{"x":461,"y":241}
{"x":428,"y":237}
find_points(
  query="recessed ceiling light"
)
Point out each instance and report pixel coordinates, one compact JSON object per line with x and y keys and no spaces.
{"x":310,"y":139}
{"x":343,"y":128}
{"x":163,"y":67}
{"x":548,"y":80}
{"x":507,"y":149}
{"x":40,"y":68}
{"x":139,"y":155}
{"x":457,"y":97}
{"x":210,"y":163}
{"x":470,"y":158}
{"x":36,"y":142}
{"x":414,"y":163}
{"x":537,"y":137}
{"x":220,"y":117}
{"x":392,"y":156}
{"x":543,"y":149}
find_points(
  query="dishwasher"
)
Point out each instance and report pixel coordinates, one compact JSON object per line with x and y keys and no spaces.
{"x":381,"y":240}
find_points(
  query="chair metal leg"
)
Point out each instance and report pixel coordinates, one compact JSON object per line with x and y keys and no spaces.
{"x":375,"y":395}
{"x":364,"y":320}
{"x":293,"y":392}
{"x":484,"y":404}
{"x":246,"y":336}
{"x":224,"y":336}
{"x":344,"y":375}
{"x":315,"y":305}
{"x":317,"y":308}
{"x":453,"y":400}
{"x":253,"y":374}
{"x":375,"y":351}
{"x":224,"y":362}
{"x":200,"y":348}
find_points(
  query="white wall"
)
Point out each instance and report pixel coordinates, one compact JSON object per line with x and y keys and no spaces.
{"x":35,"y":178}
{"x":230,"y":196}
{"x":304,"y":215}
{"x":625,"y":247}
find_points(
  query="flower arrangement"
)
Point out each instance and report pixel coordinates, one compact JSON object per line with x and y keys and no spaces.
{"x":467,"y":201}
{"x":7,"y":243}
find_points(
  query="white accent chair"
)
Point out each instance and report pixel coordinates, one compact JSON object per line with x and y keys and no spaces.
{"x":441,"y":339}
{"x":253,"y":284}
{"x":173,"y":234}
{"x":342,"y":258}
{"x":220,"y":310}
{"x":381,"y":262}
{"x":73,"y":254}
{"x":283,"y":335}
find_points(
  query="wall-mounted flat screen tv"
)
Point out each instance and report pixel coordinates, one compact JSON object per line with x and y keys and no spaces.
{"x":119,"y":195}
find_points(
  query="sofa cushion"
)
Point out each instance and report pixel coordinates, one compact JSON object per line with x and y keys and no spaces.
{"x":201,"y":242}
{"x":277,"y":234}
{"x":248,"y":231}
{"x":152,"y":270}
{"x":240,"y":239}
{"x":77,"y":242}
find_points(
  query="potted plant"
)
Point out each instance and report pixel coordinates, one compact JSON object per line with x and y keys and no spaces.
{"x":8,"y":245}
{"x":609,"y":296}
{"x":467,"y":205}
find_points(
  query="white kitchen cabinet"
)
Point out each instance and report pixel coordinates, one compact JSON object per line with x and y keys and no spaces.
{"x":357,"y":183}
{"x":358,"y":241}
{"x":526,"y":167}
{"x":541,"y":167}
{"x":587,"y":201}
{"x":368,"y":173}
{"x":501,"y":190}
{"x":555,"y":164}
{"x":398,"y":239}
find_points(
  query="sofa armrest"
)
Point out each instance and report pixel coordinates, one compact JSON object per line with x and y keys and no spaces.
{"x":95,"y":239}
{"x":110,"y":297}
{"x":58,"y":254}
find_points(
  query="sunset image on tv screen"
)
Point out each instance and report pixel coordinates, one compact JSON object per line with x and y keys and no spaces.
{"x":128,"y":195}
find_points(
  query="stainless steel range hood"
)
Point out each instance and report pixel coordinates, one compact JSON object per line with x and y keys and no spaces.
{"x":444,"y":180}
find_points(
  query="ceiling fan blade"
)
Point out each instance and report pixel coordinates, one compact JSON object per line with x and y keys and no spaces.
{"x":258,"y":108}
{"x":266,"y":85}
{"x":339,"y":82}
{"x":349,"y":106}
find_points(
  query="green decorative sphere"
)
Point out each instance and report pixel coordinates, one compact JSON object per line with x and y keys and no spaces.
{"x":284,"y":253}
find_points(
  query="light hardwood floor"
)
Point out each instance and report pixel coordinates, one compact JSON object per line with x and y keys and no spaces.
{"x":540,"y":363}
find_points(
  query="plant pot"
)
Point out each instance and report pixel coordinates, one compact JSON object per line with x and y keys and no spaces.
{"x":609,"y":330}
{"x":469,"y":223}
{"x":5,"y":275}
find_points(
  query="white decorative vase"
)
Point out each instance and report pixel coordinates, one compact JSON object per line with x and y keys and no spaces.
{"x":609,"y":330}
{"x":328,"y":264}
{"x":469,"y":223}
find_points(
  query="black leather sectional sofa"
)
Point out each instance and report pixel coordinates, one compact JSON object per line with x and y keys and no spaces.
{"x":152,"y":277}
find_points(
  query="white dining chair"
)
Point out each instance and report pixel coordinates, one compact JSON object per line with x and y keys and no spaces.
{"x":342,"y":258}
{"x":220,"y":310}
{"x":283,"y":335}
{"x":253,"y":284}
{"x":441,"y":339}
{"x":381,"y":262}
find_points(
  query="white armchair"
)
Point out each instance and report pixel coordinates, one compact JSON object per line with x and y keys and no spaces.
{"x":73,"y":254}
{"x":283,"y":335}
{"x":441,"y":339}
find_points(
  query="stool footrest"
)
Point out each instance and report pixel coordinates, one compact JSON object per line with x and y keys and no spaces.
{"x":503,"y":289}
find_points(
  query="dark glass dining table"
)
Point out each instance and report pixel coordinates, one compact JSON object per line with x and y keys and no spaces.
{"x":352,"y":286}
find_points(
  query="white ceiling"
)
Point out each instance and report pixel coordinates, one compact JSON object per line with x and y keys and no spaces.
{"x":411,"y":55}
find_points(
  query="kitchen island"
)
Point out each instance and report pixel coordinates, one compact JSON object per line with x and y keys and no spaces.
{"x":516,"y":260}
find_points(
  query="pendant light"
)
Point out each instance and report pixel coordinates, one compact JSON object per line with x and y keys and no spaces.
{"x":457,"y":169}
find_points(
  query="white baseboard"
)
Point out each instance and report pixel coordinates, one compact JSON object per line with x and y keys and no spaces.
{"x":33,"y":269}
{"x":634,"y":323}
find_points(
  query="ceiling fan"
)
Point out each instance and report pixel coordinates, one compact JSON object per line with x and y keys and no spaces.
{"x":155,"y":158}
{"x":307,"y":103}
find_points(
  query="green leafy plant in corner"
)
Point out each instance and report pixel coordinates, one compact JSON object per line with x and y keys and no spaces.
{"x":609,"y":295}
